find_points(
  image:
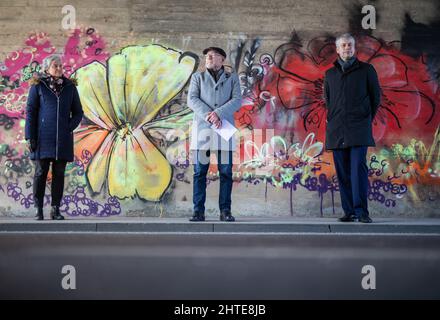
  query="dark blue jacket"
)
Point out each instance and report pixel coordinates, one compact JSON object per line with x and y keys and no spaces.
{"x":352,"y":100}
{"x":50,"y":120}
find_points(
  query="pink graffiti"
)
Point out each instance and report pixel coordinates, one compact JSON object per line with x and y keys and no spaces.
{"x":82,"y":47}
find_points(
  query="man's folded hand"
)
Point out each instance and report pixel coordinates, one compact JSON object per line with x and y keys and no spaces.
{"x":214,"y":119}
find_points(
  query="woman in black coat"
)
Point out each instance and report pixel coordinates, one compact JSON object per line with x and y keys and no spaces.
{"x":53,"y":111}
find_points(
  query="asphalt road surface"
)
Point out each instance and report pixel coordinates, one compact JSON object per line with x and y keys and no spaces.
{"x":218,"y":266}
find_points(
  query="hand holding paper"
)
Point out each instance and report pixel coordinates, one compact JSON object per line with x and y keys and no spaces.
{"x":214,"y":119}
{"x":226,"y":131}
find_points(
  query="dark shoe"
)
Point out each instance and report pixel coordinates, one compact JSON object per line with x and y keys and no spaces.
{"x":365,"y":219}
{"x":226,"y":216}
{"x":197,"y":217}
{"x":55,"y":213}
{"x":347,"y":218}
{"x":39,"y":215}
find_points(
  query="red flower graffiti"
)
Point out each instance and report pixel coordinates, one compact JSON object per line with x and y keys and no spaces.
{"x":290,"y":94}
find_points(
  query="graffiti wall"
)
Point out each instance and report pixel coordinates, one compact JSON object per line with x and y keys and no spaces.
{"x":131,"y":149}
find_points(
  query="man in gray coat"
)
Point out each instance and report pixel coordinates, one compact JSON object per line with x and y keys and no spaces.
{"x":214,"y":95}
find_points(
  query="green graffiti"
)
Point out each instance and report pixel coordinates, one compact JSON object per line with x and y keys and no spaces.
{"x":404,"y":153}
{"x":28,"y":71}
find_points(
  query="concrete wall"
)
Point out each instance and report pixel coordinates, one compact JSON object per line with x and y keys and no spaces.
{"x":281,"y":50}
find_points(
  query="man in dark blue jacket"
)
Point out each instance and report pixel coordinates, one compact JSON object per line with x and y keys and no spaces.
{"x":53,"y":111}
{"x":352,"y":95}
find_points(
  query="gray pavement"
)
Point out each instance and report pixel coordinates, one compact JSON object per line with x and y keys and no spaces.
{"x":220,"y":266}
{"x":254,"y":258}
{"x":246,"y":224}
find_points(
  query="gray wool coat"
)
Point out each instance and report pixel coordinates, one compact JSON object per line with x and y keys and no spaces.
{"x":204,"y":96}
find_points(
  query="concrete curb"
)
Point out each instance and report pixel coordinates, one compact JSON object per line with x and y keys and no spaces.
{"x":148,"y":225}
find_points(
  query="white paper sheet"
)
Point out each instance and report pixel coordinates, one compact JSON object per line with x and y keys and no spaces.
{"x":226,"y":131}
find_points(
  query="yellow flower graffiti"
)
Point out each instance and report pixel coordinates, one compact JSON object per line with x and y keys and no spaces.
{"x":120,"y":99}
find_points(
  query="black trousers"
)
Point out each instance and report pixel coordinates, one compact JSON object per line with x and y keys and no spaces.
{"x":57,"y":187}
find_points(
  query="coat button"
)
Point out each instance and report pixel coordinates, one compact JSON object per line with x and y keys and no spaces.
{"x":216,"y":105}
